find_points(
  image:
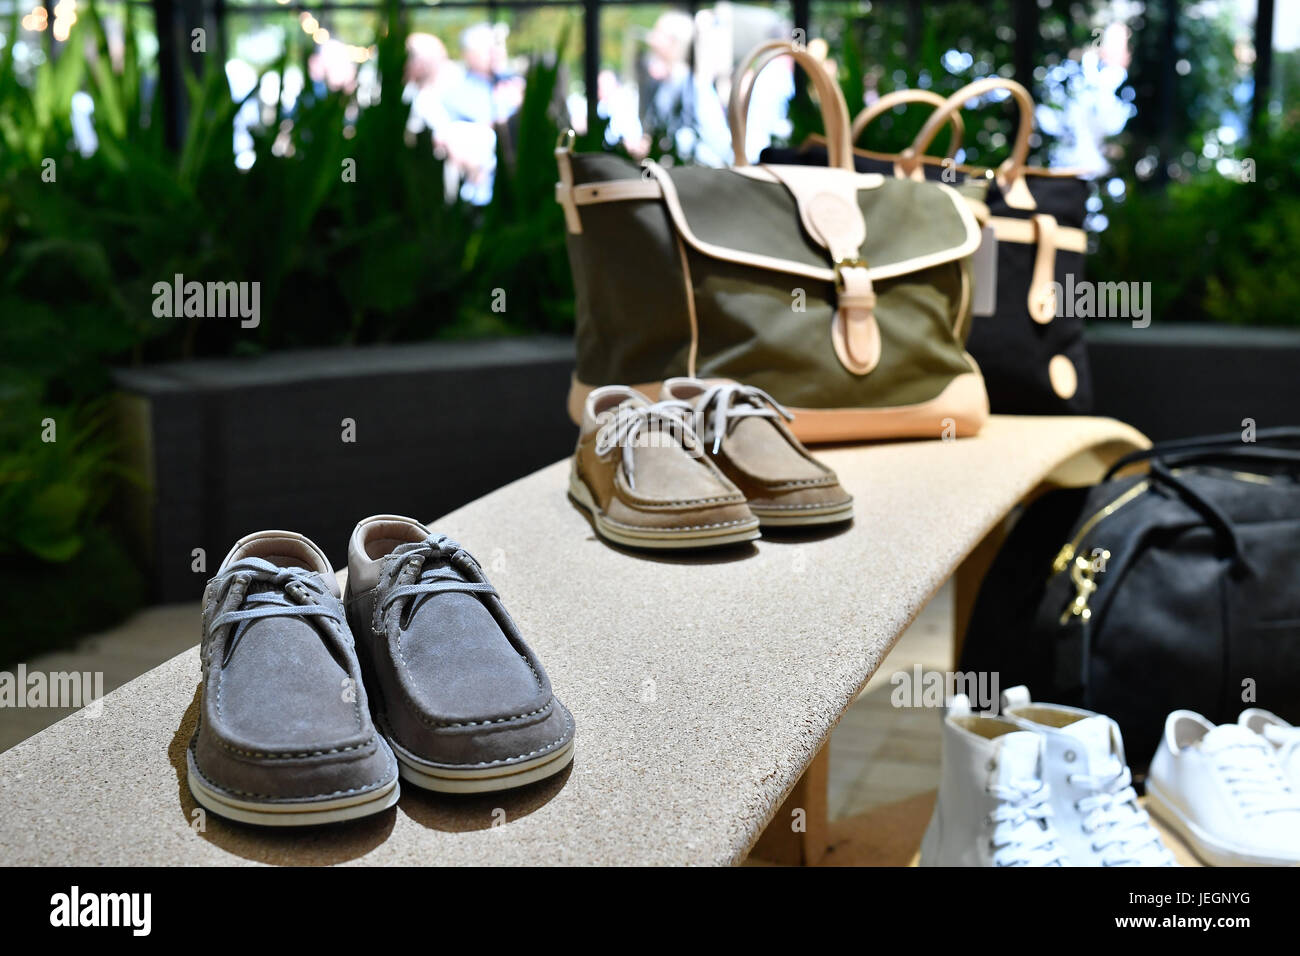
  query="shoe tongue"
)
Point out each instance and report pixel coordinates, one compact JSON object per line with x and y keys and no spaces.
{"x":1017,"y":757}
{"x":1094,"y":739}
{"x":259,"y":585}
{"x":436,"y":566}
{"x":1231,"y":735}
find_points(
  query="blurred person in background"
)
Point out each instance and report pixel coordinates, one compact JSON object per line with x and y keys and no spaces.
{"x":330,"y":68}
{"x":679,"y":105}
{"x":477,"y":101}
{"x":616,"y":103}
{"x":428,"y":73}
{"x":1082,"y":107}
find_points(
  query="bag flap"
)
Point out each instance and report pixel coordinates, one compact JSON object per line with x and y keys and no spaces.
{"x":751,"y":216}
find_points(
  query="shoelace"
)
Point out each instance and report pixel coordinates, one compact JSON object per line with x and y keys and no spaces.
{"x":295,"y":593}
{"x":430,"y":578}
{"x":627,"y":424}
{"x":1255,"y":777}
{"x":1022,"y":833}
{"x":730,"y":401}
{"x":1111,"y":813}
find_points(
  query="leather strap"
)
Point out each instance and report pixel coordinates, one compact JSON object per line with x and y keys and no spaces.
{"x":615,"y":190}
{"x":1010,"y":174}
{"x":564,"y":188}
{"x":835,"y":111}
{"x":1025,"y":232}
{"x":1042,"y":288}
{"x":855,"y":334}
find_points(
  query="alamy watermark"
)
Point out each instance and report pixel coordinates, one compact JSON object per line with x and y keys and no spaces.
{"x":59,"y":689}
{"x":626,"y":426}
{"x":921,"y":688}
{"x":179,"y":299}
{"x":133,"y":911}
{"x":1103,"y":300}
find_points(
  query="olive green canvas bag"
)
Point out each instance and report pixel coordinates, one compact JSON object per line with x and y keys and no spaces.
{"x":846,"y":296}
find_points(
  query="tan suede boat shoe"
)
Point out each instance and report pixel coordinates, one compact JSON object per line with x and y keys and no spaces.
{"x":744,"y":432}
{"x":643,"y":476}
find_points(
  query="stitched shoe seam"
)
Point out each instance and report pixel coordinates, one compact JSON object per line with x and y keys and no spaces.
{"x":293,"y":756}
{"x":825,"y":481}
{"x":680,"y":527}
{"x":568,"y":725}
{"x":438,"y":725}
{"x":680,"y":502}
{"x":815,"y":504}
{"x":798,"y":483}
{"x":207,"y":779}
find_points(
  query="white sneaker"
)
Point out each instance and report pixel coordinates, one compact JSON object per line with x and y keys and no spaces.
{"x":1094,"y":806}
{"x":993,"y":807}
{"x":1222,"y":789}
{"x":1284,"y":738}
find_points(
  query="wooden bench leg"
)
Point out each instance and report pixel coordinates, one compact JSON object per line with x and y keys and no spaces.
{"x":966,"y":584}
{"x":799,"y":834}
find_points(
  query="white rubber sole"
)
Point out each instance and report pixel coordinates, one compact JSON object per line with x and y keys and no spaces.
{"x":664,"y":540}
{"x":485,"y":779}
{"x":308,"y":814}
{"x":804,"y":517}
{"x":1207,"y":848}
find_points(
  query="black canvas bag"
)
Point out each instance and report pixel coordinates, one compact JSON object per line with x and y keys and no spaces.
{"x":1177,"y":588}
{"x":1029,"y":347}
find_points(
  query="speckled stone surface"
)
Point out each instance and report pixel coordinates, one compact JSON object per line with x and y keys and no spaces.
{"x":702,"y":687}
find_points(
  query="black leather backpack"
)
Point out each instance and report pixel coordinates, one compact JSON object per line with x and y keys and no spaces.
{"x":1174,"y":588}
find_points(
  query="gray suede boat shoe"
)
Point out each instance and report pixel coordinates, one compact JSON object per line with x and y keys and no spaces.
{"x":463,"y":701}
{"x":284,"y":735}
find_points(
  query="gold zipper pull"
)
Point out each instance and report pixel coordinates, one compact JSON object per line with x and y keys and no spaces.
{"x":1083,"y":574}
{"x":1071,"y":548}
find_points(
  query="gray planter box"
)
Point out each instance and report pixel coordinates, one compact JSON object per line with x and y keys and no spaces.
{"x":237,"y":445}
{"x":1176,"y":381}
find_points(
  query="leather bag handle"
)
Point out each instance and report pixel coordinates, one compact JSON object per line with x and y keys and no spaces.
{"x":901,"y":98}
{"x":1271,"y":445}
{"x":1010,"y":172}
{"x":834,"y":109}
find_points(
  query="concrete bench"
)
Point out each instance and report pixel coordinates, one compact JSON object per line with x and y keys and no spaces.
{"x":704,"y":688}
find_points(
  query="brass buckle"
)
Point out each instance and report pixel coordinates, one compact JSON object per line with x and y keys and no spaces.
{"x":843,"y":264}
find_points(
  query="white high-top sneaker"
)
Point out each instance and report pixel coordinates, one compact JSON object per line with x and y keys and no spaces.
{"x":1222,"y":789}
{"x":1094,"y":805}
{"x":993,"y":807}
{"x":1284,"y":738}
